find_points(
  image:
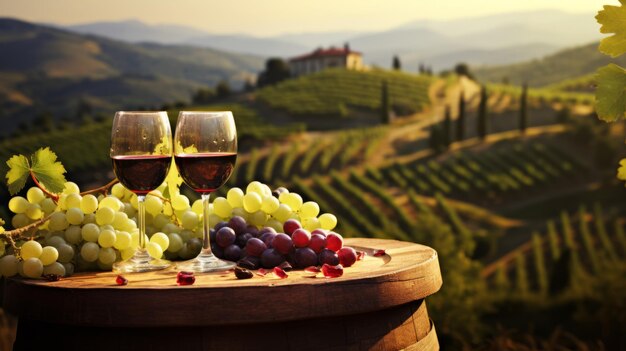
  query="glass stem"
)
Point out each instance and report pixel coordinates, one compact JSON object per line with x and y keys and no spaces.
{"x":141,"y":222}
{"x":206,"y":241}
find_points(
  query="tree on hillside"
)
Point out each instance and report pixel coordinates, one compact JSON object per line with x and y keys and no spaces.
{"x":421,"y":68}
{"x":276,"y":70}
{"x":435,"y":141}
{"x":462,"y":69}
{"x":523,"y":110}
{"x":483,"y":120}
{"x":447,"y":128}
{"x":460,"y":122}
{"x":385,"y":104}
{"x":396,"y":63}
{"x":223,"y":89}
{"x":203,"y":96}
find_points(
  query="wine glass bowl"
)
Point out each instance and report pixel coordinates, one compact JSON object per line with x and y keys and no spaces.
{"x":205,"y":152}
{"x":141,"y":152}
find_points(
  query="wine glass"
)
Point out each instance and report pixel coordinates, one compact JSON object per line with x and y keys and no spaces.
{"x":141,"y":151}
{"x":205,"y":151}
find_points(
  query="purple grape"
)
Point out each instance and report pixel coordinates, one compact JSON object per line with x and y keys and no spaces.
{"x":220,"y":225}
{"x":232,"y":253}
{"x":317,"y":243}
{"x":266,"y":230}
{"x":267,"y":238}
{"x":217,"y":250}
{"x":212,"y":232}
{"x":249,"y":262}
{"x":225,"y":237}
{"x":271,"y":258}
{"x":252,"y":230}
{"x":243,"y":239}
{"x":282,"y":243}
{"x":329,"y":256}
{"x":238,"y":224}
{"x":255,"y":247}
{"x":305,"y":257}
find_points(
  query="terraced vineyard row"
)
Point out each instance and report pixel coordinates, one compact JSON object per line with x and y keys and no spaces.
{"x":581,"y":244}
{"x":335,"y":92}
{"x":554,"y":94}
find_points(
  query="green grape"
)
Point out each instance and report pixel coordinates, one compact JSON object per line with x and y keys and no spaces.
{"x":55,"y":241}
{"x":118,"y":191}
{"x":122,"y":240}
{"x":20,"y":220}
{"x":293,"y":200}
{"x":129,"y":226}
{"x":154,"y":205}
{"x":273,"y":223}
{"x":311,"y":224}
{"x":73,"y":234}
{"x":282,"y":197}
{"x":35,"y":195}
{"x":134,"y":240}
{"x":221,"y":207}
{"x":214,"y":219}
{"x":55,"y":268}
{"x":180,"y":202}
{"x":90,"y":232}
{"x":105,"y":215}
{"x":309,"y":209}
{"x":48,"y":206}
{"x":255,"y":187}
{"x":58,"y":222}
{"x":266,"y":190}
{"x":106,"y":238}
{"x":258,"y":218}
{"x":270,"y":204}
{"x":8,"y":265}
{"x":239,"y":211}
{"x":18,"y":204}
{"x":282,"y":213}
{"x":33,"y":211}
{"x":71,"y":188}
{"x":133,"y":201}
{"x":175,"y":242}
{"x":328,"y":221}
{"x":89,"y":204}
{"x":90,"y":251}
{"x":197,"y":207}
{"x":128,"y":253}
{"x":2,"y":249}
{"x":73,"y":201}
{"x":30,"y":249}
{"x":252,"y":202}
{"x":154,"y":250}
{"x":66,"y":253}
{"x":171,"y":228}
{"x":235,"y":197}
{"x":74,"y":216}
{"x":89,"y":218}
{"x":107,"y":256}
{"x":120,"y":220}
{"x":49,"y":254}
{"x":161,"y":239}
{"x":69,"y":268}
{"x":111,"y":202}
{"x":33,"y":268}
{"x":190,"y":220}
{"x":160,"y":221}
{"x":61,"y":202}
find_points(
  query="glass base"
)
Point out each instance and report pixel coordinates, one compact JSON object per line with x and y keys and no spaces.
{"x":141,"y":262}
{"x":205,"y":262}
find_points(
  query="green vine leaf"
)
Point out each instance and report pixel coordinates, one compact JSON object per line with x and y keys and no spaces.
{"x":19,"y":169}
{"x":613,"y":20}
{"x":611,"y":93}
{"x":48,"y":171}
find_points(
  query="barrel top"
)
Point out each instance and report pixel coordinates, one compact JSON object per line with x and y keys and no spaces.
{"x":407,"y":272}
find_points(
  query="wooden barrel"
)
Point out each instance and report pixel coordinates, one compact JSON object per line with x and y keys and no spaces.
{"x":378,"y":304}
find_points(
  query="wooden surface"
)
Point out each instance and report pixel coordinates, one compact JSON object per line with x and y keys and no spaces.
{"x":407,"y":273}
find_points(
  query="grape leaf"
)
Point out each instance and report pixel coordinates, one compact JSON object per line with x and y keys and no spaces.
{"x":48,"y":171}
{"x":19,"y":170}
{"x":611,"y":93}
{"x":173,"y":181}
{"x":621,"y":171}
{"x":613,"y":20}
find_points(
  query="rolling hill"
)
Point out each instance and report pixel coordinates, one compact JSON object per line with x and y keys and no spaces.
{"x":51,"y":70}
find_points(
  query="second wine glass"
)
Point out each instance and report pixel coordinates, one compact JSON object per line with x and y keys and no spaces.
{"x":205,"y":152}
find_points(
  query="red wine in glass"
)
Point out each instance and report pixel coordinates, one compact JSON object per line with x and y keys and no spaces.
{"x":141,"y":174}
{"x":205,"y":172}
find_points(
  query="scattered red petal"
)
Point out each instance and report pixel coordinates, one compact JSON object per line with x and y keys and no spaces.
{"x":51,"y":277}
{"x":262,"y":272}
{"x":332,"y":271}
{"x":312,"y":269}
{"x":360,"y":255}
{"x":120,"y":280}
{"x":378,"y":253}
{"x":280,"y":273}
{"x":183,"y":273}
{"x":185,"y":279}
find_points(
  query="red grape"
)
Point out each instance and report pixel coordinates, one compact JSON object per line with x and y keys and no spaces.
{"x":267,"y":238}
{"x":282,"y":243}
{"x":347,"y":256}
{"x":329,"y":257}
{"x":255,"y":247}
{"x":320,"y":231}
{"x":318,"y":243}
{"x":291,"y":225}
{"x":334,"y":241}
{"x":301,"y":237}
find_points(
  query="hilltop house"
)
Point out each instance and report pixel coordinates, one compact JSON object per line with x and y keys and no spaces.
{"x":321,"y":59}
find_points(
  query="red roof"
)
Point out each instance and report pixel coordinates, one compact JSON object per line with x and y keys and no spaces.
{"x":325,"y":52}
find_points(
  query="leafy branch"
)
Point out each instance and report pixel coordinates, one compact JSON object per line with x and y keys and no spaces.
{"x":43,"y":167}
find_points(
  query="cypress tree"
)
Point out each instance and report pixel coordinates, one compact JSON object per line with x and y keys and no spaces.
{"x":523,"y":110}
{"x":447,"y":129}
{"x":460,"y":122}
{"x":385,"y":104}
{"x":396,"y":63}
{"x":483,"y":123}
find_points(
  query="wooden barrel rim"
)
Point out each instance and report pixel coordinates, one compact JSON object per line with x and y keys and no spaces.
{"x":407,"y":272}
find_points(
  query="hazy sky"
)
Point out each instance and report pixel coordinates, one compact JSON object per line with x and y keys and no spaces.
{"x":270,"y":17}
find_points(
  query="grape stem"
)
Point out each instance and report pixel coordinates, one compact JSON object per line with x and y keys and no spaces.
{"x":169,"y":202}
{"x":53,"y":196}
{"x":103,"y":189}
{"x":9,"y":235}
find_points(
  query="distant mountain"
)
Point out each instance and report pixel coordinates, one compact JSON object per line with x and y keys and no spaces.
{"x":135,"y":31}
{"x":266,"y":47}
{"x":565,"y":64}
{"x":314,"y":40}
{"x":53,"y":70}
